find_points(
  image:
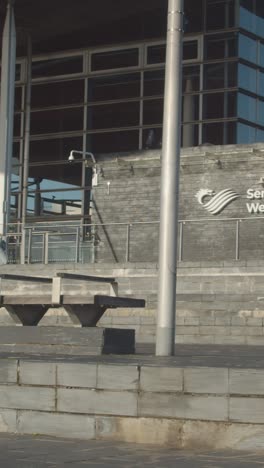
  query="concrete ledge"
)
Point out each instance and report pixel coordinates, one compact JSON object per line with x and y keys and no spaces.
{"x":182,"y":434}
{"x":55,"y":424}
{"x":66,"y":340}
{"x":125,"y":399}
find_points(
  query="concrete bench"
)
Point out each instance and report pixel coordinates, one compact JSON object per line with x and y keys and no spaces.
{"x":83,"y":310}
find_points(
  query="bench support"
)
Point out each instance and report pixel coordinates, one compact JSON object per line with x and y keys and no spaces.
{"x":26,"y":315}
{"x":84,"y":315}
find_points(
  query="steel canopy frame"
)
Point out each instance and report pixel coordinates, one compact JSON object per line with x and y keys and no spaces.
{"x":8,"y":70}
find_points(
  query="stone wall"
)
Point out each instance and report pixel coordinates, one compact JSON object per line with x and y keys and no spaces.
{"x":182,"y":407}
{"x":129,"y":192}
{"x":217,"y":302}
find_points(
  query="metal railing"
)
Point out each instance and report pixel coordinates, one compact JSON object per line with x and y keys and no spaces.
{"x":127,"y":242}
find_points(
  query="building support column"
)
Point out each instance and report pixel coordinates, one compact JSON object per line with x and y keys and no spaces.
{"x":8,"y":71}
{"x":26,"y":153}
{"x":171,"y":144}
{"x":188,"y":115}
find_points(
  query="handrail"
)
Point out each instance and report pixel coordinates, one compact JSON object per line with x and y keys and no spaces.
{"x":81,"y":237}
{"x":38,"y":279}
{"x":54,"y":224}
{"x":97,"y":279}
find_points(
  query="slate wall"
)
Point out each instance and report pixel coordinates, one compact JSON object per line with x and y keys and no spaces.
{"x":129,"y":192}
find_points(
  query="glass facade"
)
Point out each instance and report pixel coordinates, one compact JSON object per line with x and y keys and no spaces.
{"x":110,"y":99}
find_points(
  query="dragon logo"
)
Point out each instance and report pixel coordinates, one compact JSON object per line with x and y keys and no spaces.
{"x":218,"y":201}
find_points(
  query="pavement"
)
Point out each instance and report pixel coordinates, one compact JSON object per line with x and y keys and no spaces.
{"x":37,"y":452}
{"x":223,"y":356}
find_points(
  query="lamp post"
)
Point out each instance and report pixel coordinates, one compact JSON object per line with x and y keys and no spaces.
{"x":171,"y":144}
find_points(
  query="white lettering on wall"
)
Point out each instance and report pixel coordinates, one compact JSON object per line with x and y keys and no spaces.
{"x":255,"y":208}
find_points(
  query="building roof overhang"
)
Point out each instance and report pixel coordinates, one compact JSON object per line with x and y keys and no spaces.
{"x":51,"y":23}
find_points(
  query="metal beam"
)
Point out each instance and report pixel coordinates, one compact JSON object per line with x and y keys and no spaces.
{"x":26,"y":151}
{"x":171,"y":143}
{"x":8,"y":70}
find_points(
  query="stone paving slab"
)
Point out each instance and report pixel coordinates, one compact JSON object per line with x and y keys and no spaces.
{"x":38,"y":452}
{"x":222,"y":356}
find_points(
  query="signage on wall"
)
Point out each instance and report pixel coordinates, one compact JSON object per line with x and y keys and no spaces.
{"x":256,"y":206}
{"x":215,"y":203}
{"x":218,"y":201}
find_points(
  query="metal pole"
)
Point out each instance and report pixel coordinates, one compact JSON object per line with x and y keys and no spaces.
{"x":46,"y":247}
{"x":8,"y":72}
{"x":237,"y":239}
{"x":180,"y":241}
{"x":29,"y":243}
{"x":27,"y":143}
{"x":128,"y":243}
{"x":77,"y":245}
{"x":171,"y":143}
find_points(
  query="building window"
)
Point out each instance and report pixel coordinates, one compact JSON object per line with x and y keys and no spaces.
{"x":110,"y":60}
{"x":247,"y":48}
{"x":57,"y":149}
{"x":220,"y":14}
{"x":113,"y":115}
{"x":100,"y":105}
{"x":247,"y":107}
{"x":57,"y":121}
{"x":56,"y":67}
{"x":59,"y":93}
{"x":247,"y":78}
{"x":114,"y":87}
{"x":220,"y":46}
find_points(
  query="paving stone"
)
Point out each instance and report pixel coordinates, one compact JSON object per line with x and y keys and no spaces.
{"x":31,"y":398}
{"x":230,"y":340}
{"x":66,"y":425}
{"x":77,"y":375}
{"x":8,"y":420}
{"x":246,"y":410}
{"x":117,"y":377}
{"x":254,"y":322}
{"x":255,"y":331}
{"x":246,"y":381}
{"x":187,"y":330}
{"x":160,"y":379}
{"x":97,"y":402}
{"x":37,"y":373}
{"x":8,"y":371}
{"x":183,"y":406}
{"x":206,"y":380}
{"x":238,"y":321}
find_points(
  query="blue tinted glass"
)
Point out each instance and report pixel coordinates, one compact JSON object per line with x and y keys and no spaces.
{"x":245,"y":134}
{"x":247,"y":108}
{"x":261,"y":112}
{"x":247,"y":20}
{"x":261,"y":54}
{"x":260,"y":136}
{"x":259,"y":26}
{"x":247,"y":48}
{"x":261,"y":83}
{"x":247,"y":78}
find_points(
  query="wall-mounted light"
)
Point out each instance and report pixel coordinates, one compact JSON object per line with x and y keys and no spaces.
{"x":71,"y":158}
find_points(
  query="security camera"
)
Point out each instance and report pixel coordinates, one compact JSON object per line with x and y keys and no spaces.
{"x":71,"y":157}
